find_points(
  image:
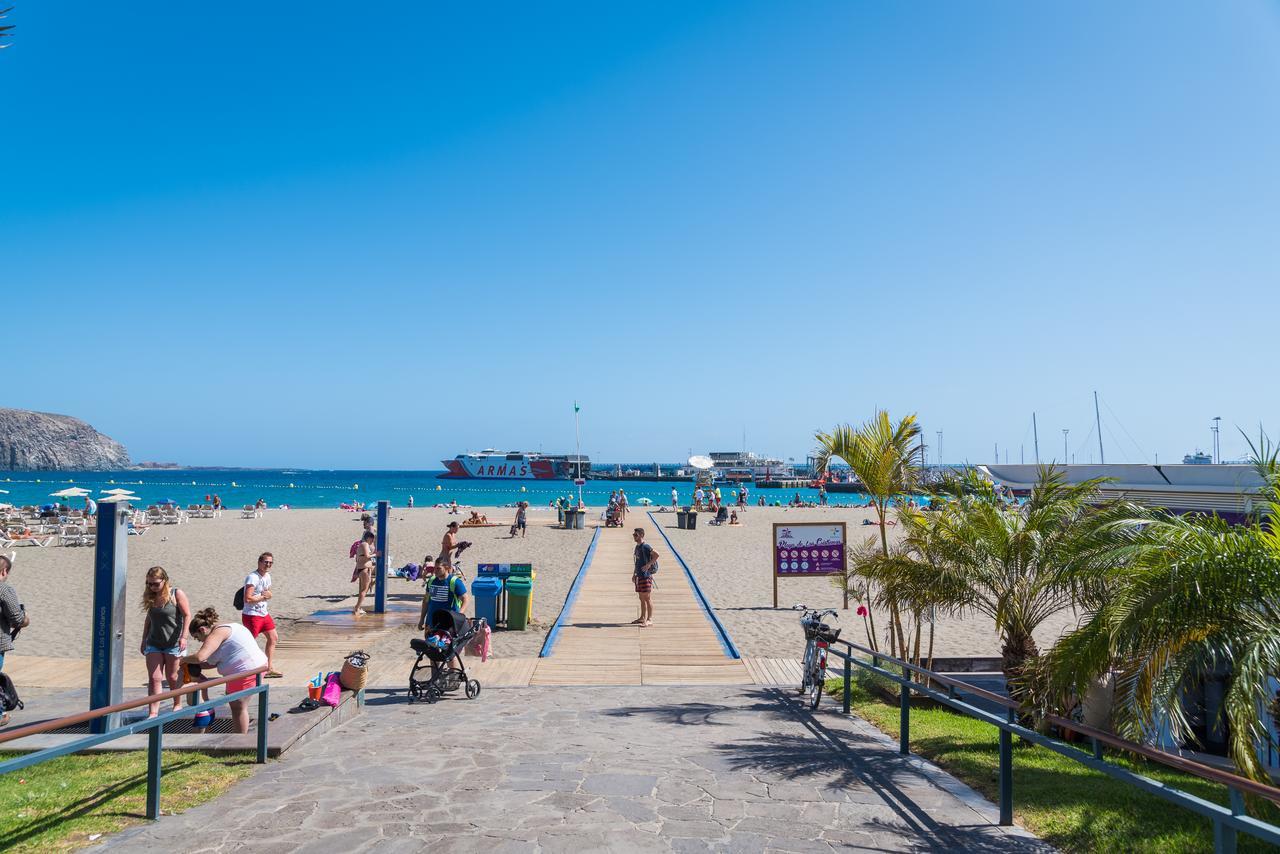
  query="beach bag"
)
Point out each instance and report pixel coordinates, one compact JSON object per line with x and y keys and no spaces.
{"x":331,"y":694}
{"x":354,"y":673}
{"x":8,"y":694}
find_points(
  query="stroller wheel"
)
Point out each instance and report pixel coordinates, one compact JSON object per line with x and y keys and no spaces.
{"x":432,"y":694}
{"x":473,"y":689}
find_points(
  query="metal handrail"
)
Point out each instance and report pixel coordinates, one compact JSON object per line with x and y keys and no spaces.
{"x":154,"y":727}
{"x":1227,"y":821}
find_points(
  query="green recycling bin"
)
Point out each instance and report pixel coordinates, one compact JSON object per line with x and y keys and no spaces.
{"x":519,"y":602}
{"x":524,"y":570}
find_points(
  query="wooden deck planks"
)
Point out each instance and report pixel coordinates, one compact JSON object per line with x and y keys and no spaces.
{"x":598,"y":645}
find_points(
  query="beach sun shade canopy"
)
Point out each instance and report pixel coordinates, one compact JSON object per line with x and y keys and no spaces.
{"x":118,"y":491}
{"x":70,"y":492}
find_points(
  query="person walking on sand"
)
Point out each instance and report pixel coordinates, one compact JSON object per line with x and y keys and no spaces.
{"x":622,"y":503}
{"x":164,"y":634}
{"x":522,"y":512}
{"x":675,"y":498}
{"x":256,"y":617}
{"x":363,"y":572}
{"x":12,"y":618}
{"x":642,"y":577}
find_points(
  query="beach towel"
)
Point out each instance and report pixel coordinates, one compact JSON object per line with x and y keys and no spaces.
{"x":331,"y":694}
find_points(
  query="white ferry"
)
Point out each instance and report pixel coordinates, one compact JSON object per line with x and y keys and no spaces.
{"x":492,"y":464}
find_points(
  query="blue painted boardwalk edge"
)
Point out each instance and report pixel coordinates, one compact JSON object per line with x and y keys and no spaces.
{"x":726,"y":642}
{"x":550,"y":642}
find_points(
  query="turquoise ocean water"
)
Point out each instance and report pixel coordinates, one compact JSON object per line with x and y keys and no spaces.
{"x":298,"y":488}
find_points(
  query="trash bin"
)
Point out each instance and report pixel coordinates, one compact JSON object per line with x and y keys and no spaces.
{"x":498,"y":571}
{"x":579,"y":519}
{"x":521,"y":570}
{"x":486,"y":590}
{"x":682,"y":519}
{"x":692,"y":521}
{"x":519,"y":604}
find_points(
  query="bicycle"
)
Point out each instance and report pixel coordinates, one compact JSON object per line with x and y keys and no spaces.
{"x":818,"y":636}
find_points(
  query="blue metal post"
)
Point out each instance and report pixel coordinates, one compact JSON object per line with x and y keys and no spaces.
{"x":263,"y":715}
{"x":1006,"y":775}
{"x":380,"y":583}
{"x":106,"y":678}
{"x":154,"y":737}
{"x":904,"y":713}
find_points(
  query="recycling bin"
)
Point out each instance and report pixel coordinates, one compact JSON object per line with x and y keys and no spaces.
{"x":579,"y":519}
{"x":498,"y":572}
{"x":486,"y":590}
{"x":519,"y":602}
{"x":522,"y":570}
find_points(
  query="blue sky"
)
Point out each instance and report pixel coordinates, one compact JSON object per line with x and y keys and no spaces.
{"x":335,"y":236}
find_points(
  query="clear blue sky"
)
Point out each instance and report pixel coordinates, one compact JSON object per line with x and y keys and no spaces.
{"x":343,"y":235}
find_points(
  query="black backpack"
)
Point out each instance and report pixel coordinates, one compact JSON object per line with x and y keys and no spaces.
{"x":238,"y":600}
{"x":8,"y":694}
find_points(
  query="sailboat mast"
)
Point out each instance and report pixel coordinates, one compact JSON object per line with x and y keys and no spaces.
{"x":1035,"y":434}
{"x":1097,"y":420}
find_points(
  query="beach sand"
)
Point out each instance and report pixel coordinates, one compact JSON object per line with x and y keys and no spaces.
{"x":733,"y":566}
{"x":209,"y":558}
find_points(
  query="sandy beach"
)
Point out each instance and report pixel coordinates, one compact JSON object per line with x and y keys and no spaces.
{"x":733,"y":566}
{"x":209,"y":558}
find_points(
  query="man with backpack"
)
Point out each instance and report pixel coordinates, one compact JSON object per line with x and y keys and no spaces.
{"x":642,"y":577}
{"x":13,"y":617}
{"x":254,"y":612}
{"x":445,"y":591}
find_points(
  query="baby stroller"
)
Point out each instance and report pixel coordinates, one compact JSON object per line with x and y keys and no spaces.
{"x":448,"y":634}
{"x":613,"y":516}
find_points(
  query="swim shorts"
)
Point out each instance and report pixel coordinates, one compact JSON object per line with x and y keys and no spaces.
{"x":257,"y":625}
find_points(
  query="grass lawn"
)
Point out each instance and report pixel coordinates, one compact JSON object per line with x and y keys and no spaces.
{"x":59,"y":805}
{"x":1063,"y":802}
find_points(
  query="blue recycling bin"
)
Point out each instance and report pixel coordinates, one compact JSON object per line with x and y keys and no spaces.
{"x":485,"y":590}
{"x":499,"y":571}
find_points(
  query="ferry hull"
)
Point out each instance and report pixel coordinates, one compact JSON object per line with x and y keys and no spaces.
{"x":504,"y":470}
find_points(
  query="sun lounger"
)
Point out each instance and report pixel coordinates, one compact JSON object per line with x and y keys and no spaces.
{"x":72,"y":535}
{"x":206,"y":511}
{"x":193,"y":511}
{"x":249,"y":512}
{"x":153,"y":516}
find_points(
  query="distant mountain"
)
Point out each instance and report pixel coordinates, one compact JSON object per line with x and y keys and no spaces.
{"x":39,"y":441}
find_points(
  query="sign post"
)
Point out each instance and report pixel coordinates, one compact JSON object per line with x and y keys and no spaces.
{"x":110,"y":562}
{"x":806,"y":549}
{"x":380,"y":584}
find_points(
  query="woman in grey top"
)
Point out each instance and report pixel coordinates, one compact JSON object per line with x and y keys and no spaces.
{"x":164,"y":634}
{"x":12,"y":618}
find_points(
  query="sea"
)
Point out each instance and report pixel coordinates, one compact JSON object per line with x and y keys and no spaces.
{"x":320,"y":488}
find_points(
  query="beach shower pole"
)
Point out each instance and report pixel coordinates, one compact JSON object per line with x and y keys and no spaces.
{"x":380,"y":585}
{"x":110,"y":562}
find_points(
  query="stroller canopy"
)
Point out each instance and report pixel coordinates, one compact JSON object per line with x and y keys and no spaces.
{"x":449,"y":621}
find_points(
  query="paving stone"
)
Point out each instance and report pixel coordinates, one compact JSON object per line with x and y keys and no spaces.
{"x":635,"y":769}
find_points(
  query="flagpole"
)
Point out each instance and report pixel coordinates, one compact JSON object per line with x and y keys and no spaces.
{"x":577,"y":451}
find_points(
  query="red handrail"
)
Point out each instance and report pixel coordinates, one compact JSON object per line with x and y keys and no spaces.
{"x":81,"y":717}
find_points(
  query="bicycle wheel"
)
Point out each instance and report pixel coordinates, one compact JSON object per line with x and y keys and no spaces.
{"x":815,"y":693}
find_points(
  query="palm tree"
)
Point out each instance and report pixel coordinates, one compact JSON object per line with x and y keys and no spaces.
{"x":885,"y":457}
{"x":1017,"y":565}
{"x":5,"y":28}
{"x":1197,"y":595}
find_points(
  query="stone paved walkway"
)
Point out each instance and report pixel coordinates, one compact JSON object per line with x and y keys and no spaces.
{"x":592,"y":769}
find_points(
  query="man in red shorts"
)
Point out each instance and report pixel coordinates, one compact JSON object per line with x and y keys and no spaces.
{"x":255,"y":616}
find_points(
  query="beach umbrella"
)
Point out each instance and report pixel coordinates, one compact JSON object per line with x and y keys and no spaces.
{"x":70,"y":492}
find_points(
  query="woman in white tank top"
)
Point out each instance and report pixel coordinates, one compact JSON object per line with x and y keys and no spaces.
{"x":232,"y":649}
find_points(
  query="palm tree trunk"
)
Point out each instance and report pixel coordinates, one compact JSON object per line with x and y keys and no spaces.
{"x":1017,"y":651}
{"x":932,"y":623}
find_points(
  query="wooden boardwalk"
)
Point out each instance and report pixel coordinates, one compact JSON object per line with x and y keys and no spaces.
{"x":598,"y":645}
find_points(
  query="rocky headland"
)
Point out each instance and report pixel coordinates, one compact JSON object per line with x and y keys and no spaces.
{"x":40,"y":441}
